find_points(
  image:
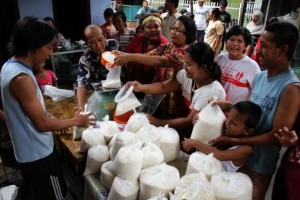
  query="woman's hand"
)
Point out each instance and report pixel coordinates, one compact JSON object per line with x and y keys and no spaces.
{"x":122,"y":58}
{"x":196,"y":118}
{"x":286,"y":137}
{"x":153,"y":120}
{"x":137,"y":86}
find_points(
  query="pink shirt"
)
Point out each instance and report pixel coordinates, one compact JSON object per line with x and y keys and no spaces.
{"x":48,"y":80}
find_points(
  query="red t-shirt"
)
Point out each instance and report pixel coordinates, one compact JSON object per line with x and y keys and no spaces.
{"x":48,"y":80}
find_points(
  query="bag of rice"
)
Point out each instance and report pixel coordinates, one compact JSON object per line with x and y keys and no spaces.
{"x":152,"y":155}
{"x":128,"y":163}
{"x":126,"y":101}
{"x":200,"y":162}
{"x":122,"y":189}
{"x":153,"y":180}
{"x":210,"y":124}
{"x":194,"y":187}
{"x":90,"y":137}
{"x":136,"y":121}
{"x":106,"y":175}
{"x":96,"y":156}
{"x":108,"y":129}
{"x":232,"y":186}
{"x":169,"y":143}
{"x":149,"y":134}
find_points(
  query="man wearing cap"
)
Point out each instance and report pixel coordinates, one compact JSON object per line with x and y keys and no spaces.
{"x":200,"y":12}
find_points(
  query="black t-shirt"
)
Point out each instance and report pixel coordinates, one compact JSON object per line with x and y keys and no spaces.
{"x":225,"y":17}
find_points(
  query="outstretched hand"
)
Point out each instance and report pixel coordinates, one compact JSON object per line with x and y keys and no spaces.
{"x":136,"y":86}
{"x":286,"y":137}
{"x":83,"y":120}
{"x":187,"y":144}
{"x":220,"y":141}
{"x":224,"y":105}
{"x":121,"y":58}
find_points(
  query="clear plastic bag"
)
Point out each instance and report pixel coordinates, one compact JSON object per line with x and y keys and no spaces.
{"x":150,"y":103}
{"x":113,"y":78}
{"x":126,"y":101}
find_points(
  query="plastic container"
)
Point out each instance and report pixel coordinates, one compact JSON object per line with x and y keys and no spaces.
{"x":107,"y":104}
{"x":107,"y":58}
{"x":122,"y":119}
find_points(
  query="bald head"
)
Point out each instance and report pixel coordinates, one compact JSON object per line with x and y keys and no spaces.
{"x":95,"y":39}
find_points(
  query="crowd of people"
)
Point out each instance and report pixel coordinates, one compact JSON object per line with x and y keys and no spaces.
{"x":180,"y":56}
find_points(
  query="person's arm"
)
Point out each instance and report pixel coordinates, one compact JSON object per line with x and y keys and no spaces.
{"x":155,"y":88}
{"x":239,"y":153}
{"x":249,"y":50}
{"x":154,"y":61}
{"x":216,"y":43}
{"x":285,"y":115}
{"x":181,"y":122}
{"x":23,"y":90}
{"x":81,"y":97}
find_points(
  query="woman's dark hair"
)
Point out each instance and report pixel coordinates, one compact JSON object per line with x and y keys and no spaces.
{"x":30,"y":34}
{"x":251,"y":110}
{"x":240,"y":30}
{"x":108,"y":12}
{"x":190,"y":29}
{"x":122,"y":17}
{"x":202,"y":54}
{"x":216,"y":12}
{"x":284,"y":33}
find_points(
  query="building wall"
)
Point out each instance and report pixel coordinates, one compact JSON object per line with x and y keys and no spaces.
{"x":38,"y":8}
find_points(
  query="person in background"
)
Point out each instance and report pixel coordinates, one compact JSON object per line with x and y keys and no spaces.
{"x":30,"y":126}
{"x":44,"y":77}
{"x":199,"y":81}
{"x":108,"y":28}
{"x":238,"y":70}
{"x":161,"y":10}
{"x":277,"y":91}
{"x":256,"y":28}
{"x":150,"y":39}
{"x":225,"y":18}
{"x":90,"y":69}
{"x":146,"y":9}
{"x":169,"y":17}
{"x":214,"y":31}
{"x":241,"y":122}
{"x":183,"y":11}
{"x":123,"y":35}
{"x":287,"y":179}
{"x":200,"y":16}
{"x":59,"y":38}
{"x":168,"y":59}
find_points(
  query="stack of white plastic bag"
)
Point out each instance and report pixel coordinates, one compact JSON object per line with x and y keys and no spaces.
{"x":9,"y":192}
{"x":57,"y":94}
{"x":78,"y":130}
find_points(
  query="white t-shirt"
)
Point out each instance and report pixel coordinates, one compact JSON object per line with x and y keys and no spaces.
{"x":200,"y":13}
{"x":167,"y":22}
{"x":201,"y":95}
{"x":228,"y":165}
{"x":237,"y":76}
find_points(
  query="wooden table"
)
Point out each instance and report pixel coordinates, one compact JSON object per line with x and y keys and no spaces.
{"x":66,"y":145}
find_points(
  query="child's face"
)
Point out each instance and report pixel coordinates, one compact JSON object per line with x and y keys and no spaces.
{"x":39,"y":68}
{"x":235,"y":124}
{"x":235,"y":46}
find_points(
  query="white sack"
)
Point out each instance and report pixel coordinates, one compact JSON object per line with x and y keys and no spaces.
{"x":122,"y":189}
{"x":210,"y":124}
{"x":153,"y":180}
{"x":152,"y":155}
{"x":90,"y":137}
{"x":108,"y":129}
{"x":9,"y":192}
{"x":128,"y":163}
{"x":232,"y":186}
{"x":106,"y":175}
{"x":194,"y":187}
{"x":123,"y":139}
{"x":200,"y":162}
{"x":78,"y":130}
{"x":96,"y":156}
{"x":169,"y":143}
{"x":149,"y":134}
{"x":136,"y":121}
{"x":126,"y":101}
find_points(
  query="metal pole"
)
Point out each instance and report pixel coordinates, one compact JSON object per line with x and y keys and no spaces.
{"x":192,"y":5}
